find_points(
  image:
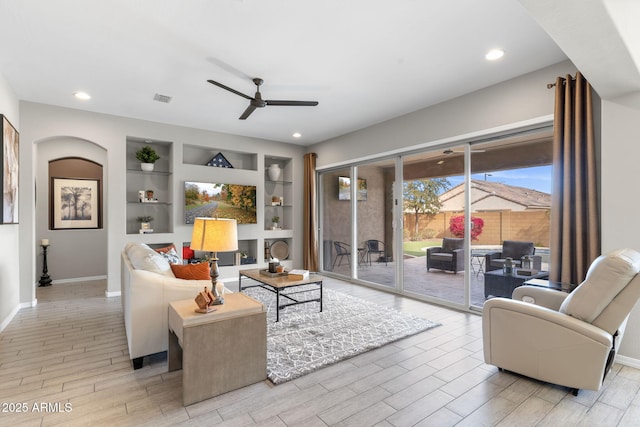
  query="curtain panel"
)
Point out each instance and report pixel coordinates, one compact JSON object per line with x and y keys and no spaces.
{"x":310,"y":236}
{"x":575,"y":219}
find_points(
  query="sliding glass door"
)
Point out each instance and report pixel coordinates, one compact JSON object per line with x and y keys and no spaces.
{"x":429,"y":224}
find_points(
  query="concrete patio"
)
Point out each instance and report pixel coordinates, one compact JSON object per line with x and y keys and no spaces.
{"x":435,"y":283}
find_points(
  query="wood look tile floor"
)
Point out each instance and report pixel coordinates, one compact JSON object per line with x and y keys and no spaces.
{"x":65,"y":362}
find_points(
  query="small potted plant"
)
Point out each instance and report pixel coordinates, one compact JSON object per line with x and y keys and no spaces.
{"x":275,"y":219}
{"x":145,"y":223}
{"x":147,"y":157}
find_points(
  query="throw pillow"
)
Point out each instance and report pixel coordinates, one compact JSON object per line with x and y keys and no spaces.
{"x":198,"y":271}
{"x":172,"y":256}
{"x":142,"y":257}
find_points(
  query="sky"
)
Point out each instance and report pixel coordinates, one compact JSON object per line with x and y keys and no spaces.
{"x":536,"y":178}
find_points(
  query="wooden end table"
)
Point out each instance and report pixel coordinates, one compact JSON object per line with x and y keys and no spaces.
{"x":219,"y":351}
{"x":277,"y":284}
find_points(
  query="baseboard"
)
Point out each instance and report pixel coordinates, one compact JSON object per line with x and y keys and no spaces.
{"x":9,"y":318}
{"x":627,"y":361}
{"x":112,"y":294}
{"x":78,"y":279}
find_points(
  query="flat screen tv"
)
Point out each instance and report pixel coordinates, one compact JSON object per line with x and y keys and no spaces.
{"x":344,"y":188}
{"x":213,"y":200}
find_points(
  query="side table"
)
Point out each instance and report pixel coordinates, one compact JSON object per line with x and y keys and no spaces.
{"x":497,"y":284}
{"x":219,"y":351}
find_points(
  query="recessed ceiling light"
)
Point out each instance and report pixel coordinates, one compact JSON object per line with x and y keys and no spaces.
{"x":82,"y":95}
{"x":297,"y":134}
{"x":494,"y":54}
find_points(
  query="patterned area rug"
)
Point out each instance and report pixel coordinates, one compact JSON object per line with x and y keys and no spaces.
{"x":305,"y":339}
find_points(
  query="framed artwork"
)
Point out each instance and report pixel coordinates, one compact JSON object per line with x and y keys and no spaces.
{"x":215,"y":200}
{"x":344,"y":188}
{"x":9,"y":165}
{"x":75,"y":203}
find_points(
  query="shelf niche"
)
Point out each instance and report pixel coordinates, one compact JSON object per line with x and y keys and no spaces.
{"x":200,"y":156}
{"x":160,"y":181}
{"x":280,"y":189}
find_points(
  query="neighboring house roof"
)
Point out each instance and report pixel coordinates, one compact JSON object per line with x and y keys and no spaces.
{"x":495,"y":196}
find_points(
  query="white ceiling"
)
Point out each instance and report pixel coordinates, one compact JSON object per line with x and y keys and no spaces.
{"x":365,"y":61}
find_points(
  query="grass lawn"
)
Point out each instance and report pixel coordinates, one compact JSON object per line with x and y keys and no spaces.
{"x":415,"y":248}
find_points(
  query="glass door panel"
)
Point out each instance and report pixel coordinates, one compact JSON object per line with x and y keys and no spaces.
{"x":510,"y":201}
{"x":337,"y":255}
{"x":433,"y":241}
{"x":375,"y":232}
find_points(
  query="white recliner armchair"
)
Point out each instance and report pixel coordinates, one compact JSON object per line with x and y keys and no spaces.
{"x":566,"y":339}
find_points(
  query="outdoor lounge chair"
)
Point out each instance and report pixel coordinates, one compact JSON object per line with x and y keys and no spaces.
{"x":449,"y":256}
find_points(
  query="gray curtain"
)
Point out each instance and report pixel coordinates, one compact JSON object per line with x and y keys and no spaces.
{"x":575,"y":219}
{"x":310,"y":240}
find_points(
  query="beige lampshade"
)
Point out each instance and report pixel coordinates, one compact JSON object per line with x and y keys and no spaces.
{"x":214,"y":235}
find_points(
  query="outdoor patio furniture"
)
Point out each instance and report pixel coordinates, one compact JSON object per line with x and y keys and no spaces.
{"x":448,"y":257}
{"x":376,"y":247}
{"x":515,"y":250}
{"x":498,"y":284}
{"x":342,"y":250}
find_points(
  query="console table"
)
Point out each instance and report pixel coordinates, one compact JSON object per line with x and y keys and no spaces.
{"x":497,"y":284}
{"x":219,"y":351}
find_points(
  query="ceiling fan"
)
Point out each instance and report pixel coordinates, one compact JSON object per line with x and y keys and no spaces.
{"x":258,"y":102}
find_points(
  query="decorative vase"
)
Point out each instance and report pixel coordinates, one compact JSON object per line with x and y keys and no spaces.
{"x":147,"y":167}
{"x":274,"y":171}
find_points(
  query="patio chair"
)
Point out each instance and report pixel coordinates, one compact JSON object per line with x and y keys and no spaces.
{"x":515,"y":250}
{"x":448,"y":257}
{"x":342,"y":250}
{"x":376,"y":247}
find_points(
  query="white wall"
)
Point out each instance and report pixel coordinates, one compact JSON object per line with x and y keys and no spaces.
{"x":620,"y":200}
{"x":43,"y":122}
{"x":520,"y":99}
{"x":9,"y":233}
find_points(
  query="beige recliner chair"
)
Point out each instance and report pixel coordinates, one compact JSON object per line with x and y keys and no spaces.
{"x":566,"y":339}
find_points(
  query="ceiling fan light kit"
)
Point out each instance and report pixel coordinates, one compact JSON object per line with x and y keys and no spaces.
{"x":257,"y":102}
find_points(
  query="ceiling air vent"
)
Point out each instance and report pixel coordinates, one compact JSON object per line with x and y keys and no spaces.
{"x":162,"y":98}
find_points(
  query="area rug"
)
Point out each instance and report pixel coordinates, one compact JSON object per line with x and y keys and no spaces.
{"x":305,"y":339}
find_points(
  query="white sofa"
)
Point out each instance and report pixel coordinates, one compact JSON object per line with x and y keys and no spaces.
{"x":148,"y":285}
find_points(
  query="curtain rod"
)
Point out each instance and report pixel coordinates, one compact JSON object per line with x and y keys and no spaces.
{"x":552,"y":85}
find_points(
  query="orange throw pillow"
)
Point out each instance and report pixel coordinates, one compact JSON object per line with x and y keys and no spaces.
{"x":198,"y":271}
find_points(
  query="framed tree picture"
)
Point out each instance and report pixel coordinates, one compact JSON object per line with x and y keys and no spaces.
{"x":75,"y":203}
{"x":9,"y":166}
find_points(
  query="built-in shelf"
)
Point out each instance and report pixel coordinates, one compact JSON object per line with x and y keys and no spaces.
{"x":278,"y":190}
{"x":159,"y":181}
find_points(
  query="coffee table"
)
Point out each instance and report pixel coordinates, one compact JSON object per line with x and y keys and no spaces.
{"x":278,"y":284}
{"x":497,"y":284}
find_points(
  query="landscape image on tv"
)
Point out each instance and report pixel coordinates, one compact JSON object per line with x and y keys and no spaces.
{"x":213,"y":200}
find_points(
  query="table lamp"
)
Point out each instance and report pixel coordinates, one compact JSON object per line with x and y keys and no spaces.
{"x":215,"y":235}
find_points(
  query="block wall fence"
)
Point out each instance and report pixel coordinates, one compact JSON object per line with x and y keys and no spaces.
{"x":498,"y":226}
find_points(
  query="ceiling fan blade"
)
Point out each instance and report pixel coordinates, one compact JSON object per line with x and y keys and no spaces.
{"x":247,"y":112}
{"x":213,"y":82}
{"x":292,"y":103}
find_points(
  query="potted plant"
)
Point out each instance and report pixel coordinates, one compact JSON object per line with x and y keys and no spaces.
{"x":145,"y":222}
{"x":147,"y":156}
{"x":275,"y":219}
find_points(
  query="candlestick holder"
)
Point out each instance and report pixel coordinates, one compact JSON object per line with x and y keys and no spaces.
{"x":45,"y":280}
